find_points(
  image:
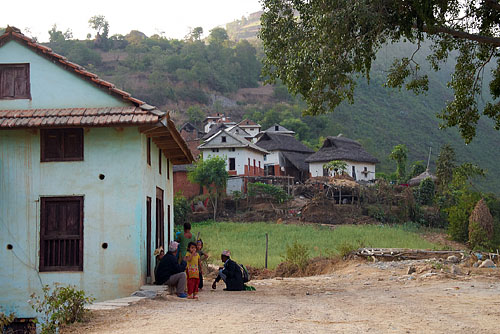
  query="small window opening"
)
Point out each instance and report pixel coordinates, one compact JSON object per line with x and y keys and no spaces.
{"x":223,"y":139}
{"x":104,"y":245}
{"x":232,"y":164}
{"x":101,"y":176}
{"x":9,"y":246}
{"x":276,"y":128}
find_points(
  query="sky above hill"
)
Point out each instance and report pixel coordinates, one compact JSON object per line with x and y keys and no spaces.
{"x":172,"y":18}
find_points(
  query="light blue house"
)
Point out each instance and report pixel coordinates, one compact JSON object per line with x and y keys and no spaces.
{"x":86,"y":186}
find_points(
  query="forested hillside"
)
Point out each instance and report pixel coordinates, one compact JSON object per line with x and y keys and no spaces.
{"x":194,"y":77}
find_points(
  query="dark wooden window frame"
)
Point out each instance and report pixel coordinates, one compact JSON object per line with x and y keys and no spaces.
{"x":234,"y":163}
{"x":168,"y":169}
{"x":148,"y":236}
{"x":67,"y":238}
{"x":159,"y":160}
{"x":27,"y":94}
{"x":160,"y":218}
{"x":64,"y":134}
{"x":168,"y":224}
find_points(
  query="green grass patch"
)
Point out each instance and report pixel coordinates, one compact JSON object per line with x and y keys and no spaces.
{"x":247,"y":241}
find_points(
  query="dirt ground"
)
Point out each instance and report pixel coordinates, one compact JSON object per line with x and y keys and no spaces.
{"x":356,"y":297}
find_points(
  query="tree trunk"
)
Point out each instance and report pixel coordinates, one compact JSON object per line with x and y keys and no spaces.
{"x":215,"y":206}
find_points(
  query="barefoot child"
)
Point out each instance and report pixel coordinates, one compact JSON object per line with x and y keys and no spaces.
{"x":193,"y":270}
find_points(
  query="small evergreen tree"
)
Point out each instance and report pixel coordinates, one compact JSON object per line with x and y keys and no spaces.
{"x":426,"y":191}
{"x":480,"y":225}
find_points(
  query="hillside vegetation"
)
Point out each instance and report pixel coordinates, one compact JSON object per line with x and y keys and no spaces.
{"x":195,"y":77}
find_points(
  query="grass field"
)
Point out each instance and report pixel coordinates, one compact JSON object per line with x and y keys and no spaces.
{"x":247,"y":241}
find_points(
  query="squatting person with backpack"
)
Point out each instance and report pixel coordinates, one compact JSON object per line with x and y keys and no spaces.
{"x":231,"y":274}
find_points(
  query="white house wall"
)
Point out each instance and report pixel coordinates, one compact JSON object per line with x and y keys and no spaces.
{"x":316,"y":169}
{"x":241,"y":156}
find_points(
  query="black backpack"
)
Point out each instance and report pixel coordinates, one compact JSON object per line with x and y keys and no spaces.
{"x":244,"y":273}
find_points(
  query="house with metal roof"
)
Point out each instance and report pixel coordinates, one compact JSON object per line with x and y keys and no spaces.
{"x":243,"y":157}
{"x":85,"y":178}
{"x":287,"y":155}
{"x":360,"y":163}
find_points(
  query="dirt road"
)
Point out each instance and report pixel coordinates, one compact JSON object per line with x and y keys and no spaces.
{"x":358,"y":298}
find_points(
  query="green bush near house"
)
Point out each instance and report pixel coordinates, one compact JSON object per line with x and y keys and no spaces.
{"x":259,"y":189}
{"x":181,"y":209}
{"x":59,"y":306}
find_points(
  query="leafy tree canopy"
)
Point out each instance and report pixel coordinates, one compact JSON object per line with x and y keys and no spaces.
{"x":211,"y":174}
{"x":100,"y":25}
{"x":400,"y":155}
{"x":319,"y":49}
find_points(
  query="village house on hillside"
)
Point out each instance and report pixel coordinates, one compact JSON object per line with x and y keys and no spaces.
{"x":85,"y":178}
{"x":213,"y":120}
{"x":246,"y":129}
{"x":252,"y":128}
{"x":360,"y":163}
{"x":243,"y":157}
{"x":287,"y":155}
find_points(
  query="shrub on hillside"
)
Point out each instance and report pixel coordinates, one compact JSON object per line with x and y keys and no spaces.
{"x":480,"y":225}
{"x":297,"y":254}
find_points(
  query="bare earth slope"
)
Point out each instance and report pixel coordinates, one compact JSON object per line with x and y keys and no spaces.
{"x":359,"y":298}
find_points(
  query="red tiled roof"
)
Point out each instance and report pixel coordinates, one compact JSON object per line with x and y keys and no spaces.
{"x":14,"y":33}
{"x":68,"y":117}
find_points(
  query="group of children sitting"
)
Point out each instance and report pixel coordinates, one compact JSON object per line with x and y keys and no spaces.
{"x":190,"y":249}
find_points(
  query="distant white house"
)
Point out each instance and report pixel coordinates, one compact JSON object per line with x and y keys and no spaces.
{"x":243,"y":157}
{"x":287,"y":155}
{"x":360,"y":163}
{"x":250,"y":127}
{"x":213,"y":120}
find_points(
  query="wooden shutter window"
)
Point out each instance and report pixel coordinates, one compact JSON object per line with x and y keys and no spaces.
{"x":159,"y":161}
{"x":61,"y":145}
{"x":61,"y":234}
{"x":15,"y":81}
